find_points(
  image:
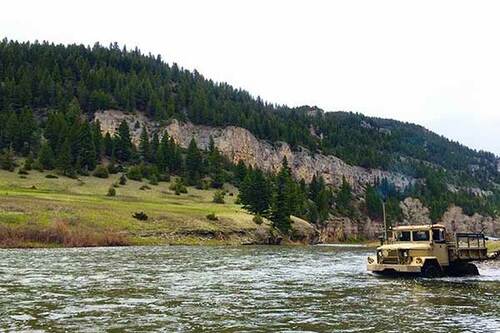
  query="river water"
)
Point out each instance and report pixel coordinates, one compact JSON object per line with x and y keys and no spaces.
{"x":233,"y":289}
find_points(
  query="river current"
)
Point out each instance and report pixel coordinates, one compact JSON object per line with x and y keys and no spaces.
{"x":233,"y":289}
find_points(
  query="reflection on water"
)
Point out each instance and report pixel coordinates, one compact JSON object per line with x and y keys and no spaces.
{"x":320,"y":289}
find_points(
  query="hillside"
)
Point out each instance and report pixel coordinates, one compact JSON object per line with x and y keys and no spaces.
{"x":77,"y":110}
{"x":48,"y":76}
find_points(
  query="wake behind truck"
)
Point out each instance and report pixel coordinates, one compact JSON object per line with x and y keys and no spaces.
{"x":428,"y":251}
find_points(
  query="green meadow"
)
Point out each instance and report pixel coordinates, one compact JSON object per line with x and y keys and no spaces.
{"x":34,"y":208}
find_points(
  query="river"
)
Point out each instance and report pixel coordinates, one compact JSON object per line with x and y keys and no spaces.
{"x":233,"y":289}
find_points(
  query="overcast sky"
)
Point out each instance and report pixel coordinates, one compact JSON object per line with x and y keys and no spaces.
{"x":435,"y":63}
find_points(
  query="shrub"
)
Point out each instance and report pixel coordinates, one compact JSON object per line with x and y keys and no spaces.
{"x":135,"y":173}
{"x":113,"y":168}
{"x":165,"y":177}
{"x":123,"y":179}
{"x":101,"y":172}
{"x":28,"y":163}
{"x":212,"y":217}
{"x":258,"y":219}
{"x":50,"y":176}
{"x":23,"y":171}
{"x":37,"y":166}
{"x":218,"y":197}
{"x":111,"y":192}
{"x":153,"y":180}
{"x":7,"y":161}
{"x":178,"y":186}
{"x":141,"y":216}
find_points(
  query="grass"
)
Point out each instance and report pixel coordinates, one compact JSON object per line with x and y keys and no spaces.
{"x":41,"y":204}
{"x":493,"y":246}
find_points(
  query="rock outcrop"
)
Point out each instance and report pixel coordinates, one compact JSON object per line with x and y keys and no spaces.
{"x":454,"y":218}
{"x":237,"y":144}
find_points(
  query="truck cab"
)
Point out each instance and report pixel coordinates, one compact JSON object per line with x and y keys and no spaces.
{"x":426,"y":250}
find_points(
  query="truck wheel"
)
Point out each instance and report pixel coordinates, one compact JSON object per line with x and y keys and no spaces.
{"x":471,"y":269}
{"x":462,"y":269}
{"x":431,"y":270}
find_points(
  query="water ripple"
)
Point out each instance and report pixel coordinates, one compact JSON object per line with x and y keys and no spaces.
{"x":233,"y":289}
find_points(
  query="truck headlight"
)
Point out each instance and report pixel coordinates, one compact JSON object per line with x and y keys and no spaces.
{"x":418,"y":260}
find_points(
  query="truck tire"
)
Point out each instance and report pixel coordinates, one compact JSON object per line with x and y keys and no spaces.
{"x":431,"y":270}
{"x":471,"y":269}
{"x":462,"y":269}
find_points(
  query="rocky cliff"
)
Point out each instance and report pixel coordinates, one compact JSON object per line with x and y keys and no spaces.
{"x":237,"y":144}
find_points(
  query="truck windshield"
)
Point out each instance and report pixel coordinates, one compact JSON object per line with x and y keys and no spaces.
{"x":403,"y":236}
{"x":420,"y":236}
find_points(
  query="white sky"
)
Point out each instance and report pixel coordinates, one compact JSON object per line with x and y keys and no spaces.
{"x":435,"y":63}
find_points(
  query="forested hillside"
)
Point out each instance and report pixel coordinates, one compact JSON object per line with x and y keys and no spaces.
{"x":44,"y":87}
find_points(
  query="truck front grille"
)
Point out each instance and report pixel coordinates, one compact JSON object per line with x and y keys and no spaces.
{"x":390,"y":260}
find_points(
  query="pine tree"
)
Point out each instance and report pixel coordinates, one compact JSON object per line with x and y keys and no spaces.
{"x":64,"y":163}
{"x":108,"y":145}
{"x":194,"y":162}
{"x":155,"y":145}
{"x":255,"y":193}
{"x":215,"y":165}
{"x":344,"y":198}
{"x":281,"y":210}
{"x":12,"y":131}
{"x":98,"y":139}
{"x":170,"y":107}
{"x":373,"y":203}
{"x":123,"y":143}
{"x":163,"y":155}
{"x":27,"y":135}
{"x":86,"y":149}
{"x":56,"y":130}
{"x":145,"y":146}
{"x":240,"y":171}
{"x":46,"y":157}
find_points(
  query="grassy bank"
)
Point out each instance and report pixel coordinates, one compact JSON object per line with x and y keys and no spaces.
{"x":40,"y":211}
{"x":493,"y":246}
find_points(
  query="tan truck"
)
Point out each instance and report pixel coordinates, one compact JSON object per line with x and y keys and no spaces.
{"x":429,"y":251}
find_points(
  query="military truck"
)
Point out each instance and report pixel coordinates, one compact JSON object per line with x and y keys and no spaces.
{"x":429,"y":251}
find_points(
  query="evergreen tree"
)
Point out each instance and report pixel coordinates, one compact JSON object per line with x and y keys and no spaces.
{"x":240,"y":171}
{"x":64,"y":163}
{"x":12,"y":132}
{"x":46,"y":157}
{"x":255,"y":193}
{"x":123,"y":143}
{"x":145,"y":146}
{"x":155,"y":145}
{"x":7,"y":159}
{"x":108,"y":145}
{"x":27,"y":136}
{"x":194,"y":163}
{"x":86,"y":148}
{"x":56,"y":130}
{"x":344,"y":199}
{"x":281,"y":210}
{"x":215,"y":165}
{"x":98,"y":139}
{"x":373,"y":203}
